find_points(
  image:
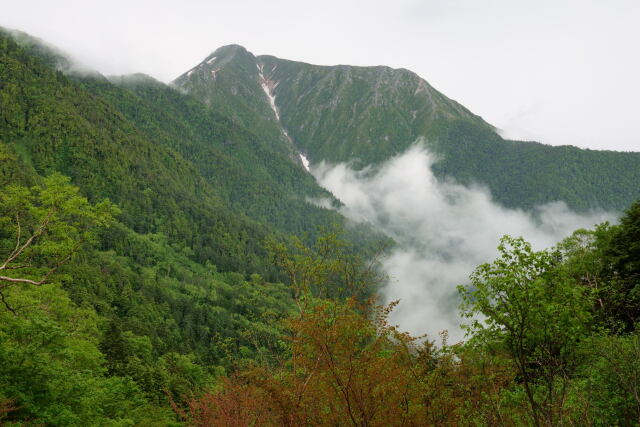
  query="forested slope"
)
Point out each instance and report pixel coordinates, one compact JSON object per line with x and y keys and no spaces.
{"x":171,"y":294}
{"x":252,"y":174}
{"x":148,"y":273}
{"x":55,"y":125}
{"x":172,"y":164}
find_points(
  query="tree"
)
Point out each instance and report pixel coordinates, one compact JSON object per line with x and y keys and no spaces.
{"x":623,"y":256}
{"x":327,"y":269}
{"x":525,"y":304}
{"x":346,"y":365}
{"x":610,"y":378}
{"x":42,"y":227}
{"x":344,"y":369}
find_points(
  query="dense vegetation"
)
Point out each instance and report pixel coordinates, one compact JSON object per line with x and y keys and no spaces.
{"x":558,"y":342}
{"x":552,"y":340}
{"x":149,"y":276}
{"x":172,"y":293}
{"x":170,"y":163}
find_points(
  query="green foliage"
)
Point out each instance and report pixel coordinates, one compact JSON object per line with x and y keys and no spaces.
{"x":537,"y":313}
{"x":42,"y":228}
{"x":606,"y":262}
{"x":51,"y":366}
{"x":610,"y":379}
{"x":623,"y":269}
{"x":329,"y":268}
{"x":174,"y":325}
{"x":526,"y":174}
{"x":115,"y":325}
{"x":62,"y":127}
{"x":250,"y":171}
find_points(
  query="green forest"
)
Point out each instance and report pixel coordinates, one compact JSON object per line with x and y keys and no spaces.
{"x":160,"y":266}
{"x":89,"y":337}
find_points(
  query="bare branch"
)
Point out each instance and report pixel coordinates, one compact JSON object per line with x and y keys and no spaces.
{"x":44,"y":278}
{"x":16,"y":253}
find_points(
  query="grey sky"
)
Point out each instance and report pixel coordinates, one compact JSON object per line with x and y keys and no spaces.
{"x":560,"y":72}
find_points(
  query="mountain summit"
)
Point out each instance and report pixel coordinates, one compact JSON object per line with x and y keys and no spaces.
{"x":334,"y":113}
{"x":366,"y":115}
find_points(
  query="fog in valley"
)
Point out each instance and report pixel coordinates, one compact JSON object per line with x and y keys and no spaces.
{"x":443,"y":230}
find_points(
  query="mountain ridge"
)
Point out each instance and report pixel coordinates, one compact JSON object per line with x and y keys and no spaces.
{"x":366,"y":115}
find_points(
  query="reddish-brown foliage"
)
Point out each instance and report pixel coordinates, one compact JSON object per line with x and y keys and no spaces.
{"x":347,"y":368}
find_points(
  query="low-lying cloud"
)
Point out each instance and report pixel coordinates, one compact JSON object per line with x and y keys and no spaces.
{"x":443,"y":230}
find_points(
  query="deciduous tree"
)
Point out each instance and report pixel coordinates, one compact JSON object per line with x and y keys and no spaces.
{"x":42,"y":227}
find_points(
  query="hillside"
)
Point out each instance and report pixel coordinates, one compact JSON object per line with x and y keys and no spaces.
{"x":162,"y":262}
{"x":368,"y":114}
{"x":173,"y":165}
{"x":180,"y":287}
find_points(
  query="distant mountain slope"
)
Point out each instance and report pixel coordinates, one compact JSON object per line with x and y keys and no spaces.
{"x":253,"y":175}
{"x":230,"y":82}
{"x":365,"y":113}
{"x":171,"y":164}
{"x":368,"y":114}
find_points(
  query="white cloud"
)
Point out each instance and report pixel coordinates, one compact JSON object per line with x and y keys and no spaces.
{"x":443,"y":229}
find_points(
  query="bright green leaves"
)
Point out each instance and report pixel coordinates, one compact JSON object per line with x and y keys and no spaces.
{"x":623,"y":255}
{"x":535,"y":311}
{"x":611,"y":377}
{"x":521,"y":291}
{"x":52,"y":370}
{"x":42,"y":227}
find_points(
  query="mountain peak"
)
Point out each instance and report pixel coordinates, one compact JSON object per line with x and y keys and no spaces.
{"x":229,"y":52}
{"x":230,"y":48}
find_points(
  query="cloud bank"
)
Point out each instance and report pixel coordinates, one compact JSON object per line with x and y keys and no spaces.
{"x":443,"y":230}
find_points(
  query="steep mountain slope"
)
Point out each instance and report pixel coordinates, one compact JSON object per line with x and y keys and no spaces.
{"x":57,"y":126}
{"x":365,"y":113}
{"x":368,"y":114}
{"x":181,"y":287}
{"x":171,"y":163}
{"x":162,"y":306}
{"x":252,"y":174}
{"x":230,"y":81}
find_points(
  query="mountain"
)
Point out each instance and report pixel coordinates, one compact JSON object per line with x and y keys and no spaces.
{"x":139,"y":320}
{"x":185,"y":265}
{"x":173,"y":165}
{"x":366,"y":115}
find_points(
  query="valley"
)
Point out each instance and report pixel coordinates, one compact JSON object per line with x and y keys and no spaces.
{"x":269,"y":242}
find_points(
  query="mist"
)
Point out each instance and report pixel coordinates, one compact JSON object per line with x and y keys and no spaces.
{"x":443,"y":231}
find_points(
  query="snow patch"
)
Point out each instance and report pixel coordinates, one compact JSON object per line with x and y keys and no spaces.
{"x":305,"y":162}
{"x":211,"y":60}
{"x":265,"y":87}
{"x":190,"y":72}
{"x":272,"y":100}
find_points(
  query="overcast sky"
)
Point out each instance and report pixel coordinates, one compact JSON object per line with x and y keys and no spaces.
{"x":559,"y":72}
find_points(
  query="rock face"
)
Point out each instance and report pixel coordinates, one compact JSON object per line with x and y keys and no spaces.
{"x":365,"y":115}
